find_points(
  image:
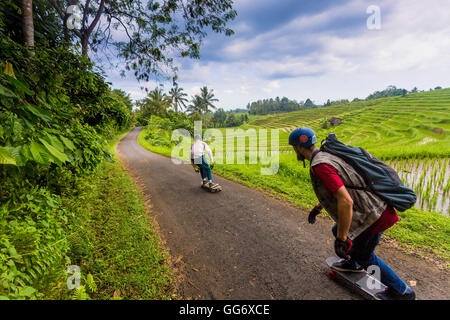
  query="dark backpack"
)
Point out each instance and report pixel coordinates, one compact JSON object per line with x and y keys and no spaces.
{"x":378,"y":176}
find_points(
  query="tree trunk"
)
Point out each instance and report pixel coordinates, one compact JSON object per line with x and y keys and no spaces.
{"x":85,"y":45}
{"x":87,"y":33}
{"x":28,"y":27}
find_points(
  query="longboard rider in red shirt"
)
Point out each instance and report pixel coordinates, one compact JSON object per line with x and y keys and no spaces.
{"x":360,"y":218}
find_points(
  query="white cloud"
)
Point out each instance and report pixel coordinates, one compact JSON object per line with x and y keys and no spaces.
{"x":241,"y":47}
{"x":244,"y":89}
{"x":192,"y":91}
{"x":414,"y":36}
{"x":272,"y":86}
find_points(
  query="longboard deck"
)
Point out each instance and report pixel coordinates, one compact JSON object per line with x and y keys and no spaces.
{"x":213,"y":190}
{"x":361,"y":282}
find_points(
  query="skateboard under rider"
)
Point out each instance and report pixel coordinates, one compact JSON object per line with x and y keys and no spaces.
{"x":363,"y":283}
{"x":215,"y":188}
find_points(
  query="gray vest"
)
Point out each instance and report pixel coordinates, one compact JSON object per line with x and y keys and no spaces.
{"x":367,"y":207}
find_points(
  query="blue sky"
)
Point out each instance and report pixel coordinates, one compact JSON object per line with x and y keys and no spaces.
{"x":317,"y":49}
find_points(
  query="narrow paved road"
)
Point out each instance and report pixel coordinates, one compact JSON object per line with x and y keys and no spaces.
{"x":243,"y":244}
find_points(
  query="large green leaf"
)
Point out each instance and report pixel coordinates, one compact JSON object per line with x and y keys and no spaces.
{"x":55,"y":142}
{"x":40,"y":154}
{"x":28,"y":124}
{"x":6,"y":92}
{"x":26,"y":291}
{"x":54,"y":152}
{"x":67,"y":143}
{"x":36,"y":149}
{"x":39,"y":112}
{"x":18,"y":127}
{"x":19,"y":85}
{"x":16,"y":153}
{"x":26,"y":153}
{"x":5,"y":157}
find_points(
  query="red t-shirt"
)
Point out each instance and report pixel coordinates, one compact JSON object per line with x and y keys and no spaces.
{"x":332,"y":182}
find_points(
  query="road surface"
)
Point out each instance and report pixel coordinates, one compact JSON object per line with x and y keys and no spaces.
{"x":243,"y":244}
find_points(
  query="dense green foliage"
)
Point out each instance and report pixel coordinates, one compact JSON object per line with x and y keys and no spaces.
{"x":390,"y":91}
{"x":56,"y":114}
{"x":277,"y":105}
{"x":234,"y":120}
{"x":222,"y":119}
{"x":159,"y":129}
{"x":157,"y":103}
{"x":54,"y":122}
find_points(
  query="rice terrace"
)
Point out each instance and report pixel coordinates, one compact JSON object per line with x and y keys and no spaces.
{"x":410,"y":132}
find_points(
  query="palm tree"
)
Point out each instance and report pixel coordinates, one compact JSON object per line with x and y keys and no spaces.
{"x":207,"y":97}
{"x":178,"y":98}
{"x":195,"y":109}
{"x":157,"y":103}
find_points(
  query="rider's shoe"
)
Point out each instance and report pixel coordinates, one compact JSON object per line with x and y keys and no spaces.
{"x":391,"y":294}
{"x":347,"y":266}
{"x":212,"y":185}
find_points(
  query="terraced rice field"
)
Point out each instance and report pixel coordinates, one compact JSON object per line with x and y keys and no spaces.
{"x":411,"y":132}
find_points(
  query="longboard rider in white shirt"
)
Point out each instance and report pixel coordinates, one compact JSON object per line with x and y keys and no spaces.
{"x":199,"y":162}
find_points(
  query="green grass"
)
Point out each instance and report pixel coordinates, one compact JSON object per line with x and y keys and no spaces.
{"x":115,"y":240}
{"x":157,"y":149}
{"x":428,"y":232}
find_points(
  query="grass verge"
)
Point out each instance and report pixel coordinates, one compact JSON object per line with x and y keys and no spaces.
{"x":116,"y":245}
{"x":426,"y":232}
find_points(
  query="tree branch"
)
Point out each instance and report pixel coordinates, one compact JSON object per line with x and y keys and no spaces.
{"x":123,"y":25}
{"x":97,"y":17}
{"x":85,"y":12}
{"x":57,"y":8}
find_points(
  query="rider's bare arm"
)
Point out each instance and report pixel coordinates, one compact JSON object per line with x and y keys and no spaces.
{"x":345,"y":212}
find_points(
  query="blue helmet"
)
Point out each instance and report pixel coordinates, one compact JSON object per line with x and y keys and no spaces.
{"x":305,"y":137}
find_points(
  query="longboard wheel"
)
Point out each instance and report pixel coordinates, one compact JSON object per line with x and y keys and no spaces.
{"x":333,"y":275}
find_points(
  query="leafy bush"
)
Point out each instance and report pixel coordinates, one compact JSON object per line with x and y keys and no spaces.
{"x":158,"y":137}
{"x":33,"y":240}
{"x":326,"y":123}
{"x":56,"y":113}
{"x":159,"y":129}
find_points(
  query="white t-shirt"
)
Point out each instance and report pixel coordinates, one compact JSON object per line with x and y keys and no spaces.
{"x":198,"y":148}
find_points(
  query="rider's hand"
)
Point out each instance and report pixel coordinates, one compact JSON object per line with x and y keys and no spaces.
{"x":211,"y":166}
{"x":342,"y":248}
{"x":314,"y":212}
